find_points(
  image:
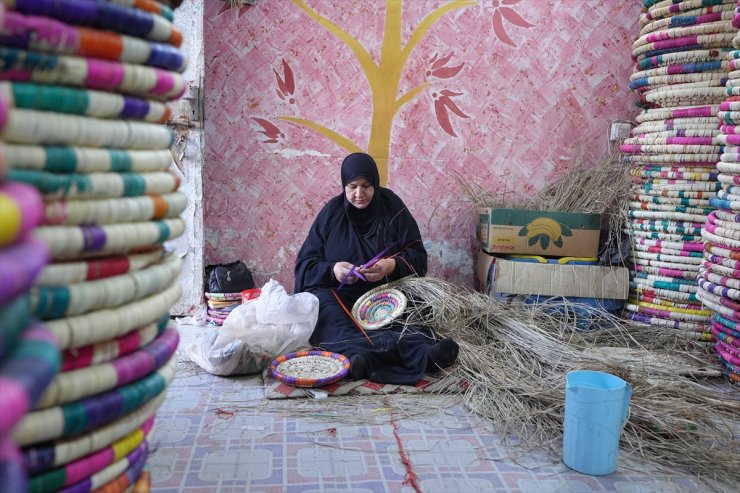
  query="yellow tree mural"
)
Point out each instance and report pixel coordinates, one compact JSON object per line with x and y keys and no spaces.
{"x":383,"y":77}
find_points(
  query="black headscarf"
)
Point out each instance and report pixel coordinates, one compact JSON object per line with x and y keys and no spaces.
{"x":355,"y":166}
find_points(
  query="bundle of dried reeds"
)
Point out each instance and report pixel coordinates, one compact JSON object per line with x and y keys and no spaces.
{"x":514,"y":359}
{"x":597,"y":188}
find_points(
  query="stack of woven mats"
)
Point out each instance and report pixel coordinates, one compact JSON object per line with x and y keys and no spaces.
{"x":682,"y":60}
{"x":29,"y":352}
{"x":220,"y":305}
{"x":719,"y":274}
{"x":83,"y":121}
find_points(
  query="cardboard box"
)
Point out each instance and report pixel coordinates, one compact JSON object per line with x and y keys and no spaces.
{"x":532,"y":232}
{"x":582,"y":281}
{"x":483,"y":269}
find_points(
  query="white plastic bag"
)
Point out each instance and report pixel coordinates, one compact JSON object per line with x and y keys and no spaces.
{"x":254,"y":333}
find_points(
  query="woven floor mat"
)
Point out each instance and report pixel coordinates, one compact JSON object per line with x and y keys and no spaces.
{"x":428,"y":384}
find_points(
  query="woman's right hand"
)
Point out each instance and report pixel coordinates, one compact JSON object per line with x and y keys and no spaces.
{"x":341,"y":269}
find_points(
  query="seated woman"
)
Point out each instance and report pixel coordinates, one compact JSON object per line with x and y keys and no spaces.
{"x":351,"y":229}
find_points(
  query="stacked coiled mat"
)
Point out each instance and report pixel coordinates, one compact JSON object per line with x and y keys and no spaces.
{"x":85,"y":281}
{"x":682,"y":57}
{"x":719,"y":272}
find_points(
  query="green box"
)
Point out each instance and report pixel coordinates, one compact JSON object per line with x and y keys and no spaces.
{"x":533,"y":232}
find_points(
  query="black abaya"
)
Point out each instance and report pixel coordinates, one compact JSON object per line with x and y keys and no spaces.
{"x":343,"y":233}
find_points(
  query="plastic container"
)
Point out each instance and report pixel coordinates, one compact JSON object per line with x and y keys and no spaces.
{"x":250,"y":294}
{"x":596,"y":410}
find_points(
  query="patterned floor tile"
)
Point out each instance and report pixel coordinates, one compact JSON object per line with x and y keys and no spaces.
{"x":221,"y":435}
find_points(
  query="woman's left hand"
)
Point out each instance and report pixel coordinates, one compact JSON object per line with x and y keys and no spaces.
{"x":379,"y":270}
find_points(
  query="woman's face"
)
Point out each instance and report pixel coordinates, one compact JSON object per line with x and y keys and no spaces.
{"x":359,"y":192}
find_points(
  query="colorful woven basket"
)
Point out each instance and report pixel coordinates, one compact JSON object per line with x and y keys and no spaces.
{"x":310,"y":368}
{"x":25,"y":374}
{"x":95,"y":354}
{"x":379,"y":307}
{"x":45,"y":456}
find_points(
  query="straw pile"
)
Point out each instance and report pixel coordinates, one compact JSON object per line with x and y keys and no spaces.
{"x":84,"y":93}
{"x":514,"y":358}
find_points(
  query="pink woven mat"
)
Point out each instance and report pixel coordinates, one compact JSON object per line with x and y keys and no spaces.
{"x":428,"y":384}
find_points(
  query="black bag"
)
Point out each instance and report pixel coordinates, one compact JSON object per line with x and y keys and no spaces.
{"x":228,"y":278}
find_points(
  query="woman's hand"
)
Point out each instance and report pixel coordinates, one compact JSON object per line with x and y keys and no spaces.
{"x":379,"y":270}
{"x":341,"y":269}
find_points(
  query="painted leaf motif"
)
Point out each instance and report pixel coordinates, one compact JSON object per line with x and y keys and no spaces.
{"x":451,"y":104}
{"x":268,"y":129}
{"x":289,"y":81}
{"x":533,"y":240}
{"x":442,"y":117}
{"x":447,"y":72}
{"x":565,"y":230}
{"x":559,"y":242}
{"x":498,"y":28}
{"x":513,"y":17}
{"x":442,"y":61}
{"x":523,"y":231}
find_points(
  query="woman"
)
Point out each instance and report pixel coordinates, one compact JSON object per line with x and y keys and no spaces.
{"x":351,"y":229}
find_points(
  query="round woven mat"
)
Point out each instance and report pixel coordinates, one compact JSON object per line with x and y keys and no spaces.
{"x":379,"y":307}
{"x":45,"y":456}
{"x":310,"y":368}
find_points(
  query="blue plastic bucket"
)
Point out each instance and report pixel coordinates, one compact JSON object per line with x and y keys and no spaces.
{"x":596,"y":410}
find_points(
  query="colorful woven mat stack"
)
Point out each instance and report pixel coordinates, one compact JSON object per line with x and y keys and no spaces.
{"x":719,"y":274}
{"x":220,"y":305}
{"x":29,"y":352}
{"x":84,"y":86}
{"x":682,"y":60}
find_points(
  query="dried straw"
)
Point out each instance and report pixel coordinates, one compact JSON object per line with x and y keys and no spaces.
{"x":514,"y":359}
{"x":601,"y":188}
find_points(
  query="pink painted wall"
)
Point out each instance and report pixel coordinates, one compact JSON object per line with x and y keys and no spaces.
{"x":540,"y":81}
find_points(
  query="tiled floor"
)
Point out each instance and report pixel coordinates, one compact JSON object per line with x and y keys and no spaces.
{"x":220,"y":435}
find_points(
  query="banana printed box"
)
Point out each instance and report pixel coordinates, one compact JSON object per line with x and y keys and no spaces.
{"x":532,"y":232}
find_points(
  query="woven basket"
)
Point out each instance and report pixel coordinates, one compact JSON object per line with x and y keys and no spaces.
{"x":718,"y":289}
{"x":656,"y":39}
{"x":119,"y":476}
{"x":87,"y":270}
{"x":54,"y":302}
{"x":12,"y":473}
{"x":135,"y":80}
{"x":71,"y":419}
{"x":379,"y":307}
{"x":83,"y":468}
{"x":112,"y":17}
{"x":20,"y":263}
{"x":73,"y":242}
{"x":659,"y":114}
{"x":61,"y":159}
{"x":95,"y":354}
{"x":98,"y":104}
{"x":101,"y":325}
{"x":666,"y":9}
{"x":34,"y":33}
{"x":109,"y":211}
{"x":15,"y":316}
{"x":697,"y":17}
{"x":45,"y":456}
{"x":44,"y":127}
{"x":97,"y":185}
{"x":74,"y":385}
{"x":310,"y":368}
{"x":25,"y":373}
{"x":657,"y":207}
